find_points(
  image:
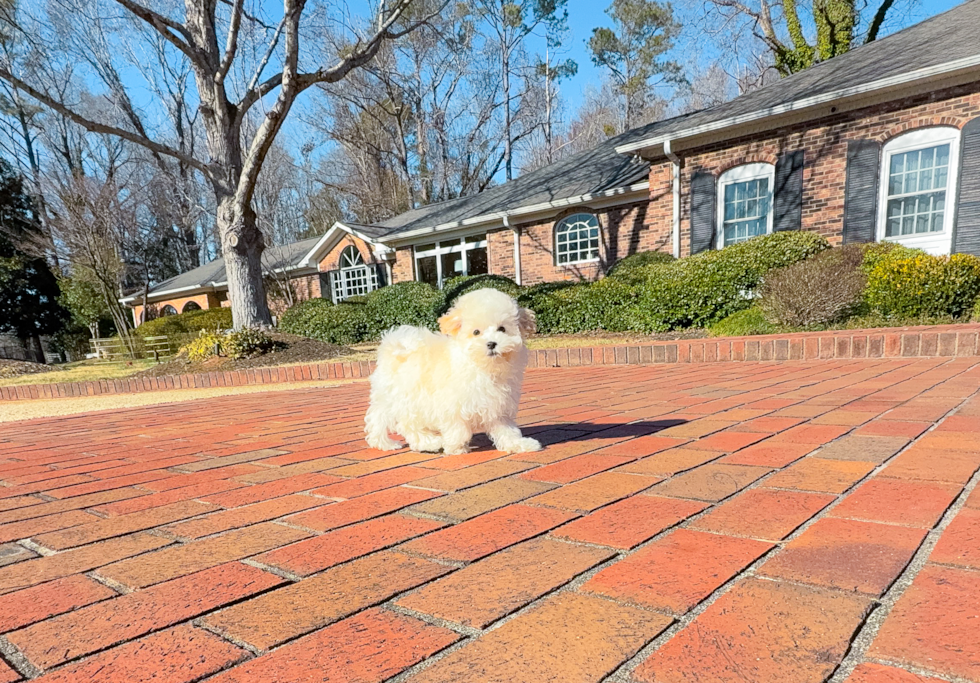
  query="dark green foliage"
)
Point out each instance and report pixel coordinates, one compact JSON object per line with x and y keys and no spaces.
{"x":744,"y":323}
{"x":630,"y":268}
{"x":458,"y":286}
{"x":345,"y":323}
{"x":404,"y":303}
{"x":191,"y":322}
{"x":246,"y":343}
{"x":29,"y":290}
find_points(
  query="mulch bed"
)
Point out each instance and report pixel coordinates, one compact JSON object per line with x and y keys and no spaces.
{"x":16,"y":368}
{"x":291,"y":349}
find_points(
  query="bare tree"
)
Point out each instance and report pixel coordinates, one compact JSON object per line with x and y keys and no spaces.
{"x":782,"y":26}
{"x":208,"y":38}
{"x":509,"y":24}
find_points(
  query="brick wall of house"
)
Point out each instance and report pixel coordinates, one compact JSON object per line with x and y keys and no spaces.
{"x":205,"y":301}
{"x":332,"y":260}
{"x":825,"y":149}
{"x":626,"y":230}
{"x":500,"y":253}
{"x":402,"y":268}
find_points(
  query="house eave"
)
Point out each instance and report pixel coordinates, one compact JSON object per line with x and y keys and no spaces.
{"x":501,"y":219}
{"x":957,"y":72}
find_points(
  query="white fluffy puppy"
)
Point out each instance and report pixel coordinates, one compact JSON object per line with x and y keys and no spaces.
{"x":436,"y":390}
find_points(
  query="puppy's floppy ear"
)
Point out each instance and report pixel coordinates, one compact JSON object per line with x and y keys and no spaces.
{"x":451,"y":323}
{"x":525,"y":321}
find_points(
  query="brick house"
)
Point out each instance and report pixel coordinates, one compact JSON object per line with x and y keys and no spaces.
{"x":881,"y":143}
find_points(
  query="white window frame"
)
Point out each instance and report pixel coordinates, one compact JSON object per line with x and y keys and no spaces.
{"x":457,"y":245}
{"x":741,"y":174}
{"x":566,"y":220}
{"x":341,"y":279}
{"x":937,"y":243}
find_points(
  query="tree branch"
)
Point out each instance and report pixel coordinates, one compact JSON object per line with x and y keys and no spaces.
{"x":96,"y":127}
{"x":878,"y":20}
{"x":166,"y":28}
{"x":265,"y":61}
{"x":232,"y":43}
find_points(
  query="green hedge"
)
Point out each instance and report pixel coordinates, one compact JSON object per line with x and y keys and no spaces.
{"x":404,"y":303}
{"x":345,"y":323}
{"x":458,"y":286}
{"x":190,"y":322}
{"x":920,"y":285}
{"x":630,"y":268}
{"x":664,"y":294}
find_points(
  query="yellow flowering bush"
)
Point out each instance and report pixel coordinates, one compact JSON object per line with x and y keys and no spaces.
{"x":920,"y":286}
{"x":203,"y":347}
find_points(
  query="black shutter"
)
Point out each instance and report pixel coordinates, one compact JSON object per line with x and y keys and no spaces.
{"x":966,"y":234}
{"x":702,"y":211}
{"x":328,"y":282}
{"x":382,"y":272}
{"x":788,"y":193}
{"x":861,"y":191}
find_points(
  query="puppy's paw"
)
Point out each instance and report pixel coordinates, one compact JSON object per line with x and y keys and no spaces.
{"x":455,"y":450}
{"x":385,"y":444}
{"x":525,"y":445}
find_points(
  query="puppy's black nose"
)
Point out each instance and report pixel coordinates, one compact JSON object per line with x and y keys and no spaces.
{"x":491,"y":345}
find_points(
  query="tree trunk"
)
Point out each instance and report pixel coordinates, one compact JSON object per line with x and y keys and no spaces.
{"x":242,"y":247}
{"x":508,"y":152}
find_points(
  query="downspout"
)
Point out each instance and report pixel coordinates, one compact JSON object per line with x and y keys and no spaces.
{"x":675,"y":232}
{"x":517,"y":249}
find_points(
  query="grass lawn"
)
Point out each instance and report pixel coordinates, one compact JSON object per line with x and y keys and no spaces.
{"x":81,"y":371}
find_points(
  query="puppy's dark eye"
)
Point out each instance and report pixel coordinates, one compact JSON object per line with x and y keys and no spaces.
{"x":501,"y":329}
{"x":476,"y":333}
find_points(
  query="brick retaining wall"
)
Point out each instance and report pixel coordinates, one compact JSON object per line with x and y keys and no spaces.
{"x":910,"y":342}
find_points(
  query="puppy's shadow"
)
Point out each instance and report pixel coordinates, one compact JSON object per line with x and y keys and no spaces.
{"x":552,"y":433}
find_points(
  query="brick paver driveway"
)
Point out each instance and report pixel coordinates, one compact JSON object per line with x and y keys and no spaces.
{"x":725,"y":522}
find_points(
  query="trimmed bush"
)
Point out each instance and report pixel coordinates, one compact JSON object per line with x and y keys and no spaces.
{"x":247,"y":343}
{"x":190,"y":322}
{"x":608,"y":304}
{"x":925,"y":286}
{"x":976,"y":312}
{"x":298,"y":318}
{"x":703,"y":289}
{"x":345,"y":323}
{"x":878,"y":252}
{"x":458,"y":286}
{"x":819,"y":291}
{"x":403,"y":303}
{"x":743,"y":324}
{"x":630,"y":268}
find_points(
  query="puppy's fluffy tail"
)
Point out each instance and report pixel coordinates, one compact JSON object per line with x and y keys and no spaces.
{"x":396,"y":346}
{"x":399,"y":343}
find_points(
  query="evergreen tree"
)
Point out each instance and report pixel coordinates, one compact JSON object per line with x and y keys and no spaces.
{"x":29,"y":291}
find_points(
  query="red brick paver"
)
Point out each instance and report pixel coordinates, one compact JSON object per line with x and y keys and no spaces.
{"x":767,"y":506}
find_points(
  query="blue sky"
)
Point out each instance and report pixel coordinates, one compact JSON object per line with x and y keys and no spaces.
{"x":584,"y":15}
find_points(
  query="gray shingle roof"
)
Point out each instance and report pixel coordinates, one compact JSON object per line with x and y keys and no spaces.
{"x":274,"y":258}
{"x":944,"y":38}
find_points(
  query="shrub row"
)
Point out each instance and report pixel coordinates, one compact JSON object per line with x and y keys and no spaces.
{"x":870,"y":285}
{"x":779,"y":281}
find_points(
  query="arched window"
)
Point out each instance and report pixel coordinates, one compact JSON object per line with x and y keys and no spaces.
{"x":917,"y":190}
{"x":353,"y":277}
{"x":351,"y":258}
{"x":167,"y":310}
{"x":577,"y":239}
{"x":745,"y":203}
{"x":190,"y":306}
